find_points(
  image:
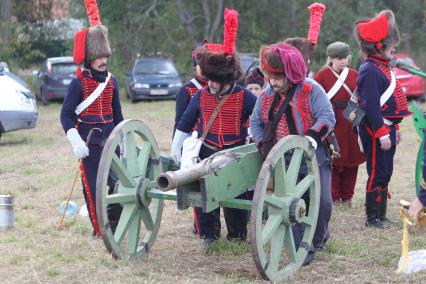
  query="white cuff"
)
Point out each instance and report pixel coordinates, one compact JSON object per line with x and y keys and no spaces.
{"x":312,"y":141}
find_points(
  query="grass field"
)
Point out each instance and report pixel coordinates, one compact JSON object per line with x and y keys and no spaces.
{"x":37,"y":167}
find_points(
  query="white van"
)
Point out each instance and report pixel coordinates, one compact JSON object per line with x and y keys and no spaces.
{"x":18,"y":109}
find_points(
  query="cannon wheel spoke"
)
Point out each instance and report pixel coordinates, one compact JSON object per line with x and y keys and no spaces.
{"x":276,"y":255}
{"x":137,"y":220}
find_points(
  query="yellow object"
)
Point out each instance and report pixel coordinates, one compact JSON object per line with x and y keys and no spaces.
{"x":405,"y":243}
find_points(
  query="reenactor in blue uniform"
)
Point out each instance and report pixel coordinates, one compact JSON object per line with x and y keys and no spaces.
{"x":385,"y":105}
{"x":188,"y":90}
{"x":220,"y":66}
{"x":82,"y":111}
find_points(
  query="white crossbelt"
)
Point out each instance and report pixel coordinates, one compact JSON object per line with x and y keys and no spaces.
{"x":93,"y":96}
{"x":195,"y":82}
{"x":339,"y":83}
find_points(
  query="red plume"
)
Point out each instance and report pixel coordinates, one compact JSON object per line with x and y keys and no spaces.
{"x":92,"y":12}
{"x":230,"y":31}
{"x":316,"y":11}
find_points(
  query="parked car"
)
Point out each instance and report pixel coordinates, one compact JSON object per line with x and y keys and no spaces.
{"x":413,"y":86}
{"x":18,"y":109}
{"x":152,"y":78}
{"x":248,"y":61}
{"x":53,"y":78}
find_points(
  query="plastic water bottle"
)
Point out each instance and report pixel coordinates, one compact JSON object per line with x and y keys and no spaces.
{"x":71,"y":209}
{"x":83,"y":211}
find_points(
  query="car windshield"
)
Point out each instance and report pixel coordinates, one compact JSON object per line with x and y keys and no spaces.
{"x":63,"y":68}
{"x":155,"y":67}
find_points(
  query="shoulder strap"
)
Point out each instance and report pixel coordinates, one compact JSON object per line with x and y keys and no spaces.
{"x":389,"y":91}
{"x":339,"y":83}
{"x":196,"y":83}
{"x":214,"y":114}
{"x":283,"y":108}
{"x":93,"y":96}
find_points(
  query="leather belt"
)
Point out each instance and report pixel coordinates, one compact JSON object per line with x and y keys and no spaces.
{"x":211,"y":147}
{"x":340,"y":104}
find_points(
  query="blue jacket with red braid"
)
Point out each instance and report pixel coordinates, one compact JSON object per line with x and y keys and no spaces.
{"x":104,"y":113}
{"x":184,"y":96}
{"x":310,"y":113}
{"x":231,"y":123}
{"x":373,"y":80}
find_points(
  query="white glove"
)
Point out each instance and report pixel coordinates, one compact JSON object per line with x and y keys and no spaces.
{"x":312,"y":141}
{"x":78,"y":146}
{"x":176,"y":151}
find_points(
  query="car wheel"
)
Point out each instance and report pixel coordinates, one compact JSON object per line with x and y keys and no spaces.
{"x":422,"y":98}
{"x":44,"y":99}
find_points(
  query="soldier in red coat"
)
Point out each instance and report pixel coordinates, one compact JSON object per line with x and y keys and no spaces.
{"x":339,"y":81}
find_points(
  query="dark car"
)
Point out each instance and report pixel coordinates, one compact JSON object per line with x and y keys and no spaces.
{"x":247,"y":61}
{"x":152,"y":78}
{"x":53,"y":78}
{"x":413,"y":86}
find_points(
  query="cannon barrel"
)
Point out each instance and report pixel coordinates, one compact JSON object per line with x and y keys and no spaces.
{"x":172,"y":179}
{"x":400,"y":64}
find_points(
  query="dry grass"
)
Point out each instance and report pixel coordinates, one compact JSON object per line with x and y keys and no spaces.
{"x":37,"y":166}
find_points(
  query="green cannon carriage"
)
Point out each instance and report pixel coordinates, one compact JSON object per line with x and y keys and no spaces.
{"x":419,"y":124}
{"x":146,"y":178}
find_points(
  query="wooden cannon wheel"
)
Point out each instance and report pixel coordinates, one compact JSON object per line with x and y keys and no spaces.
{"x":278,"y":206}
{"x":132,"y":155}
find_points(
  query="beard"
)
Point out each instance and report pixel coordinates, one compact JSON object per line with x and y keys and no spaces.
{"x":281,"y":88}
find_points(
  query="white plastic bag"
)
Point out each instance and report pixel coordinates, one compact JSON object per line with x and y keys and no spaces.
{"x":190,"y":150}
{"x":416,"y":261}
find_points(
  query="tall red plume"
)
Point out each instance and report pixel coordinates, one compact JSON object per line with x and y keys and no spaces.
{"x":92,"y":12}
{"x":316,"y":11}
{"x":230,"y":31}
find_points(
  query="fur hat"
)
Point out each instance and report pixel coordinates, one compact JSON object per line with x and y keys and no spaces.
{"x":283,"y":59}
{"x":97,"y":43}
{"x":377,"y":34}
{"x":197,"y":50}
{"x":255,"y":77}
{"x":338,"y":50}
{"x":92,"y":43}
{"x":218,"y":62}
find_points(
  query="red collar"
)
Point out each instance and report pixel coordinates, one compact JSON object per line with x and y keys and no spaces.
{"x":201,"y":81}
{"x":377,"y":58}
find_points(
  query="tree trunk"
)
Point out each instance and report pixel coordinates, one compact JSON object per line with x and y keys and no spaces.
{"x":5,"y":17}
{"x":217,"y":20}
{"x":187,"y":20}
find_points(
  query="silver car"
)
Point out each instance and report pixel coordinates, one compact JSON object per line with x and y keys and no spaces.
{"x":18,"y":109}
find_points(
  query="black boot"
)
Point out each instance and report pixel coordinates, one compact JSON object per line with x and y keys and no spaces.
{"x":372,"y":202}
{"x":382,"y":208}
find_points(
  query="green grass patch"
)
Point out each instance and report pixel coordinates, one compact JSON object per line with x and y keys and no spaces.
{"x":18,"y":259}
{"x":25,"y":223}
{"x":33,"y":169}
{"x":52,"y":272}
{"x":348,"y":248}
{"x":224,"y":247}
{"x":9,"y":237}
{"x":7,"y":192}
